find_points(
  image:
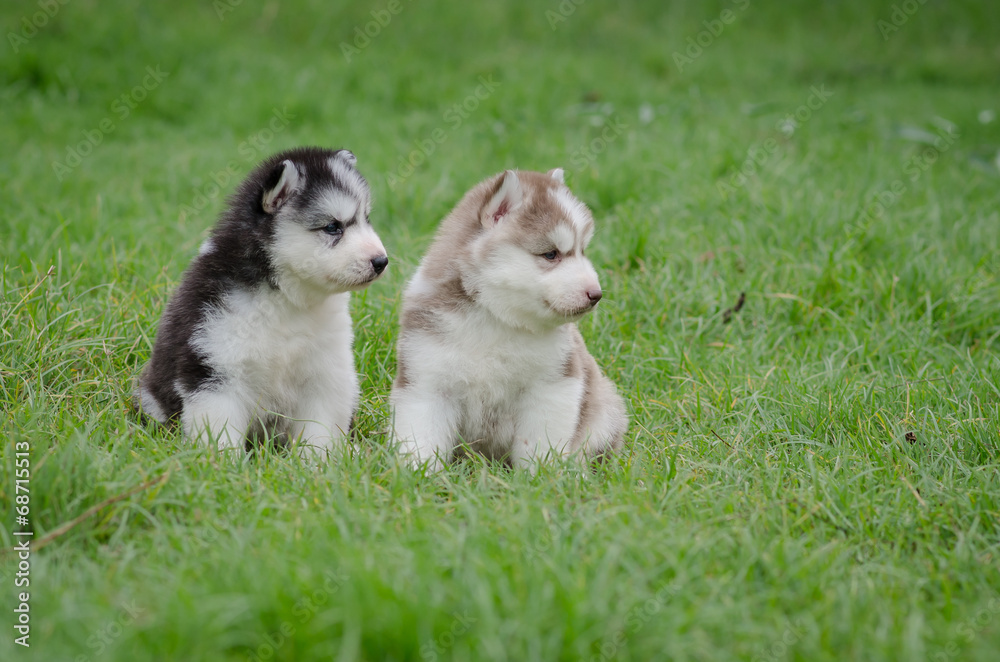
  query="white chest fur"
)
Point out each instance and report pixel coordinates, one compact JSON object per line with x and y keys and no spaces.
{"x":502,"y":383}
{"x":274,"y":351}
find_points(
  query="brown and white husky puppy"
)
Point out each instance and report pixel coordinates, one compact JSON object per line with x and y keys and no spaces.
{"x":489,"y":354}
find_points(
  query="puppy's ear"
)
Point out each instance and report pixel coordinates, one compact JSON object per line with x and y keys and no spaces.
{"x":558,"y":175}
{"x":507,"y":197}
{"x":347,"y":156}
{"x":283,"y":182}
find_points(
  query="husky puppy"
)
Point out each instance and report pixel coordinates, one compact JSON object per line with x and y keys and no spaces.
{"x":488,"y":352}
{"x":257,"y":338}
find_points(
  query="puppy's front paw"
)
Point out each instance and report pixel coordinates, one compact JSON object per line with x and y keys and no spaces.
{"x":312,"y":455}
{"x":413,"y":457}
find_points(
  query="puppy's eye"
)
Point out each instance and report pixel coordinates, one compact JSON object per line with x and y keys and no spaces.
{"x":336,"y":228}
{"x":551,"y":255}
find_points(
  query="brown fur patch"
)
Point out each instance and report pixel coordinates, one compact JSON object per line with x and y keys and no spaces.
{"x":419,"y":318}
{"x":599,"y":398}
{"x":402,"y":374}
{"x":573,"y":366}
{"x":452,"y":294}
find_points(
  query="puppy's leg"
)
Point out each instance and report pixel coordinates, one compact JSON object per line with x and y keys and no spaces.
{"x":605,"y":419}
{"x":424,"y":426}
{"x":320,"y":429}
{"x":316,"y":441}
{"x":324,"y":403}
{"x":216,"y":419}
{"x":548,"y":419}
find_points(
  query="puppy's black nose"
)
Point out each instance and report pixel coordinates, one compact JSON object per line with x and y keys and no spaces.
{"x":379,"y":263}
{"x":594,"y":296}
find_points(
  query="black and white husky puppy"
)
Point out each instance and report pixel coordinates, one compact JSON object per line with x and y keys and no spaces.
{"x":489,"y":353}
{"x":257,"y":339}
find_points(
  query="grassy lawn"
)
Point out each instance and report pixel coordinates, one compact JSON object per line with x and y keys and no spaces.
{"x":813,"y":477}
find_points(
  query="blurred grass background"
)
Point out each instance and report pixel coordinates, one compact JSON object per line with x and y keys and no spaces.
{"x":816,"y":479}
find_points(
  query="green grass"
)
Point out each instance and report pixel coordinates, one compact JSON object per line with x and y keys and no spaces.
{"x":818,"y":479}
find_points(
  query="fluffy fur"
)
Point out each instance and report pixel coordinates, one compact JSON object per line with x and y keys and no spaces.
{"x":488,"y":353}
{"x":258,"y":337}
